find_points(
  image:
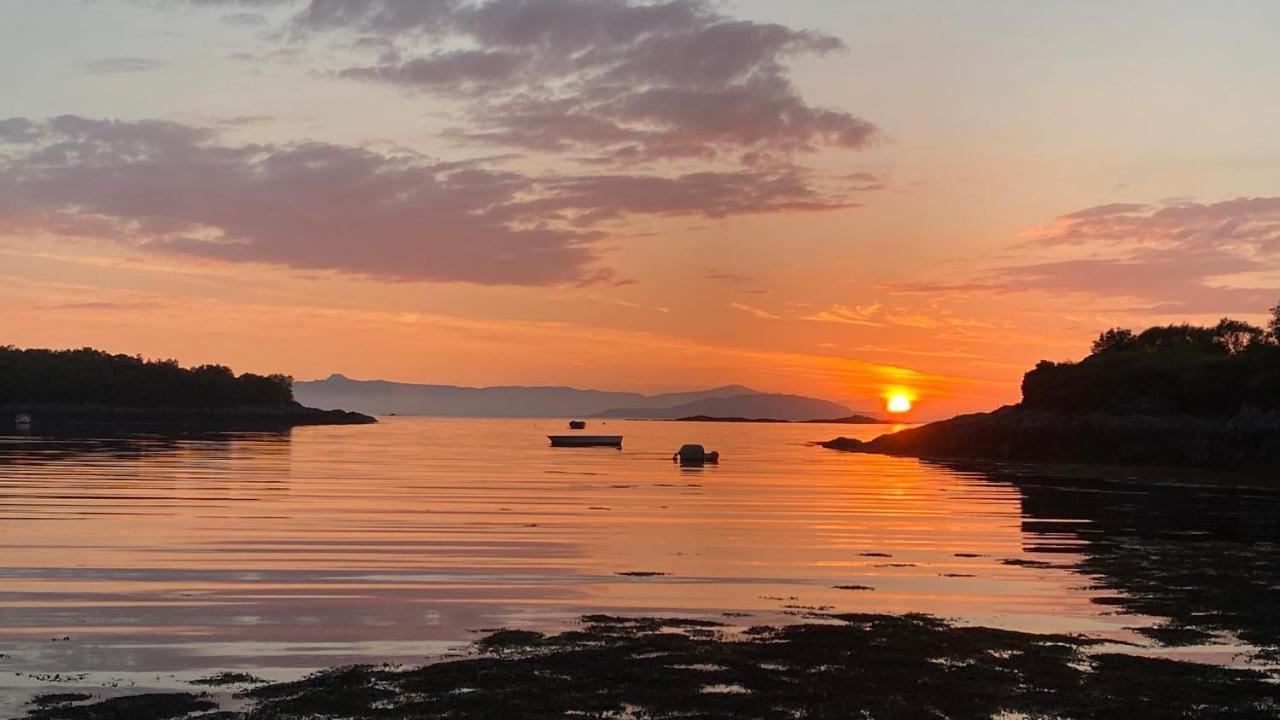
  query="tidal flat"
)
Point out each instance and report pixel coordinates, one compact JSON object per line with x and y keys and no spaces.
{"x":836,"y":665}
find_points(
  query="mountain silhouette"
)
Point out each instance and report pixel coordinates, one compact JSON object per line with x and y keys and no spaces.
{"x":382,"y":397}
{"x":747,"y":405}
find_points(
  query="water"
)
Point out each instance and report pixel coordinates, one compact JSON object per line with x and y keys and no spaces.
{"x":149,"y":561}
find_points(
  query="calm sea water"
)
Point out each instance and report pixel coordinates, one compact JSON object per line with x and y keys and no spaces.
{"x":147,"y":561}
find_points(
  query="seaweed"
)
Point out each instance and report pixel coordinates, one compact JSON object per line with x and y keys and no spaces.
{"x":148,"y":706}
{"x":850,"y":665}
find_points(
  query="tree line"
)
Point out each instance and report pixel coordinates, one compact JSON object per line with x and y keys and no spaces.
{"x":1216,"y":370}
{"x":93,"y":377}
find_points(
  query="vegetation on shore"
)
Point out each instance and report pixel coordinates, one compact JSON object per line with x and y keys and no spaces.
{"x":73,"y":417}
{"x":849,"y":665}
{"x":1216,"y":371}
{"x":86,"y":386}
{"x":1172,"y":395}
{"x":93,"y":377}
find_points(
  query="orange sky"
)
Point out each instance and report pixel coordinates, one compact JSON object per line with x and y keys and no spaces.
{"x":826,"y":198}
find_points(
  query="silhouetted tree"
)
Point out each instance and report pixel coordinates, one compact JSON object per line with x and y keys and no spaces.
{"x":1235,"y":335}
{"x":1215,"y":370}
{"x":1176,"y":338}
{"x":93,"y":377}
{"x":1113,"y":340}
{"x":1274,"y":324}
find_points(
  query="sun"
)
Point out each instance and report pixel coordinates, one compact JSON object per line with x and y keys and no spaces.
{"x":898,"y":403}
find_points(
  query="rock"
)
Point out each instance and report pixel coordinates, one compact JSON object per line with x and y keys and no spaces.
{"x":1247,"y":441}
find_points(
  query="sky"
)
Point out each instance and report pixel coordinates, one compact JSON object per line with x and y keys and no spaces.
{"x":840,"y":198}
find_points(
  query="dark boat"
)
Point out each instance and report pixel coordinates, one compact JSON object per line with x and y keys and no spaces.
{"x":577,"y":424}
{"x":614,"y":441}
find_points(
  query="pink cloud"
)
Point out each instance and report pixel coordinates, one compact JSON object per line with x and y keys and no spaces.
{"x":1232,"y":224}
{"x":617,"y":79}
{"x":1183,"y":257}
{"x":179,"y":189}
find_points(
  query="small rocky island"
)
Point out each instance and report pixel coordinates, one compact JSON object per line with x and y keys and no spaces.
{"x":60,"y":390}
{"x":1178,"y":395}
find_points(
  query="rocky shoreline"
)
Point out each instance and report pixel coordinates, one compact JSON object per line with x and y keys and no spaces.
{"x":834,"y":665}
{"x":1248,"y":441}
{"x":66,"y":417}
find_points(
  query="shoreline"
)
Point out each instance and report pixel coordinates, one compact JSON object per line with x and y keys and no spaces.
{"x":71,"y":418}
{"x":825,"y":665}
{"x":1248,"y":442}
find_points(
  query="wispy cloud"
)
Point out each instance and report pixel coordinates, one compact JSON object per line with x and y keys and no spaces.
{"x":106,"y":305}
{"x":757,"y":312}
{"x":122,"y":65}
{"x":950,"y":353}
{"x":729,"y":277}
{"x":867,"y":315}
{"x":1179,"y":257}
{"x":244,"y":19}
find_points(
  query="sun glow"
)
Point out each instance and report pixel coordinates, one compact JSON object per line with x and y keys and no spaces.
{"x":898,"y":403}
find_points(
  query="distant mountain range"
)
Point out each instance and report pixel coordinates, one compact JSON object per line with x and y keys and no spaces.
{"x":849,"y":420}
{"x":746,"y":405}
{"x":381,"y":397}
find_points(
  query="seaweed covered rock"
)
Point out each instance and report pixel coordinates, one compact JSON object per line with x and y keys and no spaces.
{"x":853,"y":665}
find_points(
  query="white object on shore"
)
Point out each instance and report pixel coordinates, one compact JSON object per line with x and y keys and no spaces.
{"x":22,"y":420}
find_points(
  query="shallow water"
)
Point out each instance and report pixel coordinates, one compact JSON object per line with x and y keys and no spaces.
{"x":146,"y":561}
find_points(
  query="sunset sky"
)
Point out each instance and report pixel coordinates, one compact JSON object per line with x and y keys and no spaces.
{"x":840,"y":198}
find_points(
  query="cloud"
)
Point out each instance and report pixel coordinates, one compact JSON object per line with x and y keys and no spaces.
{"x":867,"y":315}
{"x":877,"y":315}
{"x":173,"y":188}
{"x":1242,"y":226}
{"x":757,"y":312}
{"x":618,"y":80}
{"x":729,"y":277}
{"x":122,"y":65}
{"x":232,"y":3}
{"x":1159,"y":281}
{"x":613,"y":89}
{"x":709,"y":194}
{"x":460,"y":71}
{"x":952,"y":353}
{"x":1180,"y":257}
{"x":244,"y":19}
{"x":106,"y":305}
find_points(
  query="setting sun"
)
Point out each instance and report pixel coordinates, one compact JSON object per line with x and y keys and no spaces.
{"x":898,"y":403}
